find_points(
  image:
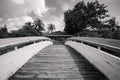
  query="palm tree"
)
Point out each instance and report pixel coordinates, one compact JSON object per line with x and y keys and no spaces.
{"x":38,"y":25}
{"x":51,"y":28}
{"x":27,"y":30}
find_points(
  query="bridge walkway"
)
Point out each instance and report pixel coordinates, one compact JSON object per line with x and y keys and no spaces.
{"x":58,"y":62}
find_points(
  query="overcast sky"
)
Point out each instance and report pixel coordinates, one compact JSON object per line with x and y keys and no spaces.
{"x":15,"y":13}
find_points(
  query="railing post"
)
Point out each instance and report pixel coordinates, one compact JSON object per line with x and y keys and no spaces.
{"x":15,"y":48}
{"x":99,"y":48}
{"x":81,"y":42}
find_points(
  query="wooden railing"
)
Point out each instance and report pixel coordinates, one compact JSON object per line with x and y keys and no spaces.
{"x":9,"y":44}
{"x":108,"y":45}
{"x":11,"y":61}
{"x":104,"y":54}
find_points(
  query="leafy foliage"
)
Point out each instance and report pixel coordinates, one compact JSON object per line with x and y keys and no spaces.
{"x":51,"y":28}
{"x":116,"y":34}
{"x":83,"y":16}
{"x":3,"y":32}
{"x":113,"y":24}
{"x":29,"y":29}
{"x":38,"y":25}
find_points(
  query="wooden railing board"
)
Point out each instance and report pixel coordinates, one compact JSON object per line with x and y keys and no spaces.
{"x":9,"y":44}
{"x":111,"y":42}
{"x":108,"y":64}
{"x":12,"y":41}
{"x":99,"y":43}
{"x":12,"y":61}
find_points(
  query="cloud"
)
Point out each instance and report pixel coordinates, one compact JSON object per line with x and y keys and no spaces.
{"x":1,"y":19}
{"x":107,"y":1}
{"x":14,"y":13}
{"x":17,"y":8}
{"x":118,"y":20}
{"x":17,"y":23}
{"x":57,"y":21}
{"x":37,"y":6}
{"x":1,"y":22}
{"x":18,"y":1}
{"x":65,"y":7}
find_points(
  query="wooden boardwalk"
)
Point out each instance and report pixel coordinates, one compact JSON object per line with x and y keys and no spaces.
{"x":58,"y":62}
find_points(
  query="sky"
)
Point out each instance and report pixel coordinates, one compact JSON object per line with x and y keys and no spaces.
{"x":14,"y":13}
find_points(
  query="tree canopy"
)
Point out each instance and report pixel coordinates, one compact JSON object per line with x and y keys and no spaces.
{"x":51,"y":28}
{"x":84,"y":15}
{"x":29,"y":29}
{"x":3,"y":32}
{"x":38,"y":25}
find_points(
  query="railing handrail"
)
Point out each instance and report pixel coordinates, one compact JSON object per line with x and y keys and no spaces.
{"x":14,"y":60}
{"x":97,"y":44}
{"x":22,"y":40}
{"x":106,"y":63}
{"x":15,"y":42}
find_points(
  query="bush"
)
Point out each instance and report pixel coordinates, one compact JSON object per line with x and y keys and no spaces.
{"x":88,"y":33}
{"x":116,"y":34}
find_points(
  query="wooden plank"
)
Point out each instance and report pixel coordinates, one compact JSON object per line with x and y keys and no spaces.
{"x":105,"y":62}
{"x":57,"y":62}
{"x":12,"y":61}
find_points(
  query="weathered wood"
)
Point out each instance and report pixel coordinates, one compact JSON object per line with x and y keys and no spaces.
{"x":10,"y":44}
{"x":15,"y":41}
{"x":57,"y":62}
{"x":111,"y":45}
{"x":105,"y":62}
{"x":12,"y":61}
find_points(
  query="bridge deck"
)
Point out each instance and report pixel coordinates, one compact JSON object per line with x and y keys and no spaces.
{"x":58,"y":62}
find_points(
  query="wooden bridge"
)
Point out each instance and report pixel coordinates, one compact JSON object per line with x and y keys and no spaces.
{"x":36,"y":58}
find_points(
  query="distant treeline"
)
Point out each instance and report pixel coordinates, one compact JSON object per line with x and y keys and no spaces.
{"x":28,"y":29}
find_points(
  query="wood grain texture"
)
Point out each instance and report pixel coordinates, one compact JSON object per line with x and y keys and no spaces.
{"x":12,"y":61}
{"x":58,"y":62}
{"x":105,"y":62}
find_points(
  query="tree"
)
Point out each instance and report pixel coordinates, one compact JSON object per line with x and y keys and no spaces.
{"x":33,"y":29}
{"x":26,"y":30}
{"x":3,"y":32}
{"x":84,"y":15}
{"x":113,"y":23}
{"x":51,"y":28}
{"x":38,"y":25}
{"x":29,"y":29}
{"x":116,"y":34}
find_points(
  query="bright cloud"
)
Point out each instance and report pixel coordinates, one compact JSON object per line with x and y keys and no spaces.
{"x":108,"y":0}
{"x":1,"y":22}
{"x":18,"y":1}
{"x":17,"y":23}
{"x":66,"y":7}
{"x":17,"y":12}
{"x":58,"y":22}
{"x":118,"y":20}
{"x":37,"y":6}
{"x":1,"y":19}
